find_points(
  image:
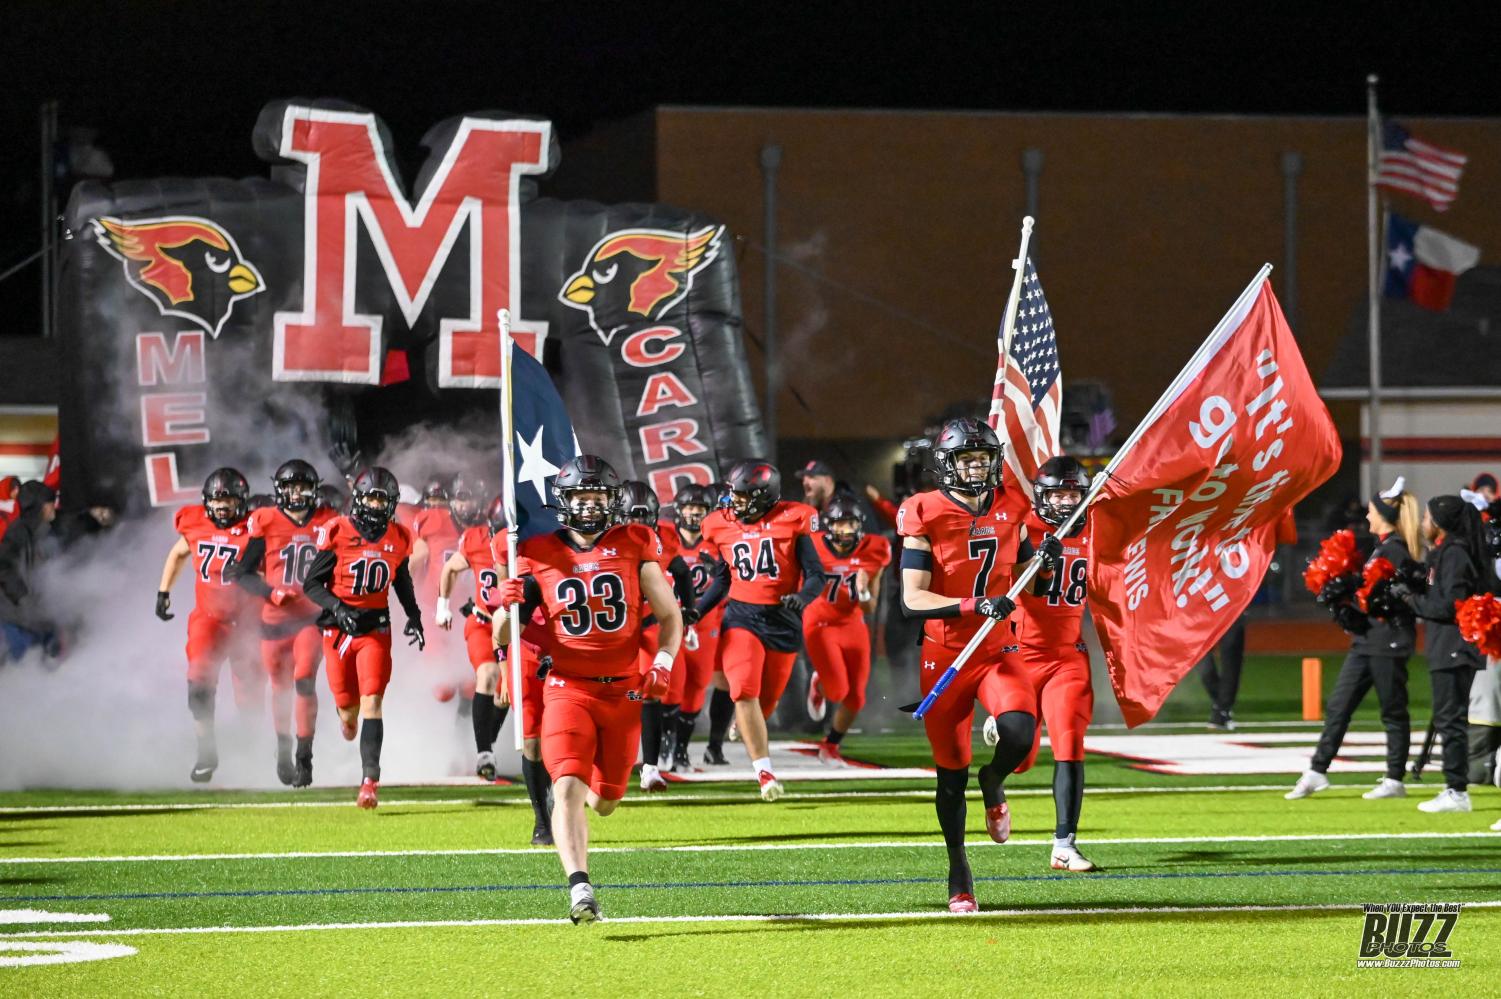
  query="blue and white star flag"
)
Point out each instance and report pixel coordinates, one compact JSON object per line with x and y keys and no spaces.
{"x":542,"y":438}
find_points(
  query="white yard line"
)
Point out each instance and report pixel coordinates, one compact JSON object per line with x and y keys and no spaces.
{"x":833,"y":917}
{"x":634,"y":799}
{"x":728,"y":848}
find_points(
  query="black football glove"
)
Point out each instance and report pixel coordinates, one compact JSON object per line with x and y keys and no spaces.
{"x":347,"y":620}
{"x":414,"y":633}
{"x":690,"y":616}
{"x":998,"y":608}
{"x":164,"y":601}
{"x":1051,"y":548}
{"x":544,"y":667}
{"x":794,"y":602}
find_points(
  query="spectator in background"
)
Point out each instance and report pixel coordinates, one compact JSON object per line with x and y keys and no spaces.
{"x":99,"y":516}
{"x":1485,"y":485}
{"x":818,"y":484}
{"x":27,"y":543}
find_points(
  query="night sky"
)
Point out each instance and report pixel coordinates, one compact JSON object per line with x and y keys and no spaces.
{"x":173,"y":88}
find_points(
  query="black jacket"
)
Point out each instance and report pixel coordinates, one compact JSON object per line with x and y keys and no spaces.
{"x":1396,"y":638}
{"x":1452,"y":576}
{"x":24,"y":547}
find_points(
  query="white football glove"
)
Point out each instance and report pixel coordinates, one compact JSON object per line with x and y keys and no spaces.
{"x":443,"y":616}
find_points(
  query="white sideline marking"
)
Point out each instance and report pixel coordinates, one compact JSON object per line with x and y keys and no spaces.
{"x":723,"y":848}
{"x":43,"y":916}
{"x":59,"y":952}
{"x":634,"y":799}
{"x":832,"y":917}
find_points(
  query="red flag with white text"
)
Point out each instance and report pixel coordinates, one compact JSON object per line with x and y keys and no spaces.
{"x":1185,"y":528}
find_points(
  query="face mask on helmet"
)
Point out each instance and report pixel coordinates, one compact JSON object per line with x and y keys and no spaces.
{"x":465,"y":507}
{"x":1056,"y":505}
{"x":845,"y":534}
{"x":587,"y":511}
{"x":224,"y":509}
{"x":690,"y":516}
{"x":296,"y":495}
{"x":372,"y":511}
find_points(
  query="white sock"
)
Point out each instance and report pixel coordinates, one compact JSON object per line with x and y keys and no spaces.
{"x":1066,"y":843}
{"x":764,"y":763}
{"x":648,"y":770}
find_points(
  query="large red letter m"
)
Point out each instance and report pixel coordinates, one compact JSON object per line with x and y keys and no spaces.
{"x":350,"y":183}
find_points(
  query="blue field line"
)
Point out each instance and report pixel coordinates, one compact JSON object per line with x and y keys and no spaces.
{"x":832,"y":883}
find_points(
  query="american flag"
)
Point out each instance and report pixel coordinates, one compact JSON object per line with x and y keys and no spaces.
{"x":1413,"y":166}
{"x":1028,"y":394}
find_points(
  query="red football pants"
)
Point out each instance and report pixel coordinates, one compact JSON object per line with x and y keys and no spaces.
{"x":753,"y":670}
{"x":839,"y":650}
{"x":358,"y":666}
{"x":590,"y":731}
{"x":997,"y":679}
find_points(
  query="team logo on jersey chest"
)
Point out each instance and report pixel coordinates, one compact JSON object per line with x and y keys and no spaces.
{"x":587,"y":566}
{"x":981,"y":530}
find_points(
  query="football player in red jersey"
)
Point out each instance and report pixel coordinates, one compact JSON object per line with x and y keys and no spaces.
{"x":436,"y":529}
{"x":960,"y":545}
{"x":589,"y":578}
{"x":835,"y":632}
{"x":639,"y":505}
{"x":213,"y":537}
{"x":771,"y":572}
{"x":281,"y":548}
{"x":482,"y":549}
{"x":700,"y":640}
{"x":1050,"y":632}
{"x":361,"y":558}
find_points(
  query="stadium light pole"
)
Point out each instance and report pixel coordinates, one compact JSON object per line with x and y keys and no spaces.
{"x":771,"y":162}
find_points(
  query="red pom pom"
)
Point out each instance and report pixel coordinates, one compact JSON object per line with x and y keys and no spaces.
{"x":1479,"y":620}
{"x":1377,"y":570}
{"x":1336,"y":557}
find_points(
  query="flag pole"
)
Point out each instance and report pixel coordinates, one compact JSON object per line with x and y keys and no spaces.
{"x":1190,"y":371}
{"x":1373,"y":128}
{"x":1008,"y":323}
{"x":508,"y":491}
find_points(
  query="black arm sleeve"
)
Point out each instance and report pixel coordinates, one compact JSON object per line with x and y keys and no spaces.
{"x":1025,"y":550}
{"x":682,"y":581}
{"x":402,"y":584}
{"x":936,"y":612}
{"x":246,"y":570}
{"x":719,"y":588}
{"x":814,"y":577}
{"x":1454,"y":580}
{"x":316,"y":586}
{"x":531,"y":598}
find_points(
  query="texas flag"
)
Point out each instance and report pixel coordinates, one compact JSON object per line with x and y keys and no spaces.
{"x":1422,"y":263}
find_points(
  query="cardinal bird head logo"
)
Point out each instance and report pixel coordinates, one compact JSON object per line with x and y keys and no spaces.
{"x":190,"y":267}
{"x":636,"y":275}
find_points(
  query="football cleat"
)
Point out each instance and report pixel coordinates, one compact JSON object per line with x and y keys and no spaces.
{"x":1310,"y":783}
{"x":485,"y":767}
{"x":1386,"y":788}
{"x":963,"y":903}
{"x":585,"y":907}
{"x":829,"y":755}
{"x":771,"y":788}
{"x":202,"y":772}
{"x":367,"y":798}
{"x":304,"y":770}
{"x":1220,"y":721}
{"x":680,"y":761}
{"x":1068,"y":858}
{"x":1447,"y":800}
{"x":997,"y":814}
{"x":286,"y":771}
{"x":988,"y":731}
{"x":714,"y":756}
{"x":652,"y":779}
{"x":817,"y":705}
{"x":541,"y":836}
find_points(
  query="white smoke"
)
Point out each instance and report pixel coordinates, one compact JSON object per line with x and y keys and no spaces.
{"x":114,"y":714}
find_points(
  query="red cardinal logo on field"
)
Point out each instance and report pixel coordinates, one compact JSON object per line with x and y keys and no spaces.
{"x":636,"y":275}
{"x":190,"y":267}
